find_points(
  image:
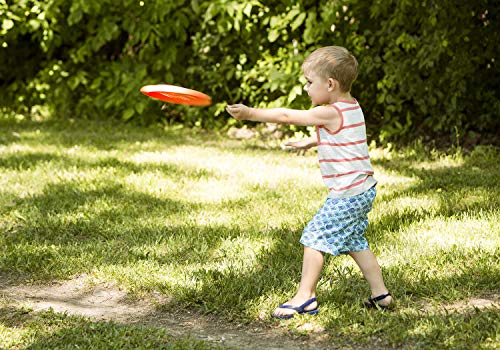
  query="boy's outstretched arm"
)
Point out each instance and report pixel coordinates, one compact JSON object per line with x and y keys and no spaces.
{"x":320,"y":115}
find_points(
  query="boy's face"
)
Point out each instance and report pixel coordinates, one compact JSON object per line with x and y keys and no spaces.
{"x":317,"y":88}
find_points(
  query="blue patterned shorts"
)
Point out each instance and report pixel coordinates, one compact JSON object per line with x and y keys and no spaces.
{"x":339,"y":226}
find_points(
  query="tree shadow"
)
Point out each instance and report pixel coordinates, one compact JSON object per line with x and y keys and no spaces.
{"x":457,"y":191}
{"x":68,"y":134}
{"x":20,"y":162}
{"x":109,"y":222}
{"x":27,"y":161}
{"x":472,"y":174}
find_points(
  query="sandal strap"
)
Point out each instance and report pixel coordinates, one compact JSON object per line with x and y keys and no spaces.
{"x":307,"y":303}
{"x":380,"y":297}
{"x":300,"y":308}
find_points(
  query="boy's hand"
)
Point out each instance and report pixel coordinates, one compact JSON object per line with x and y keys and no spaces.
{"x":238,"y":111}
{"x":303,"y":145}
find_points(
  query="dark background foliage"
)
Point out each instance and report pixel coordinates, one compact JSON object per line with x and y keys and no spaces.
{"x":428,"y":68}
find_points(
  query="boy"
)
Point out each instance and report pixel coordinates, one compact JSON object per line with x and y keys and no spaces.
{"x":339,"y":226}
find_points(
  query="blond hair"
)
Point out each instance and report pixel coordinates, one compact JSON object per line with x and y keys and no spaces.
{"x":333,"y":62}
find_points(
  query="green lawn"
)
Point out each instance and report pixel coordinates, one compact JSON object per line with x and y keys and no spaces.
{"x":214,"y":223}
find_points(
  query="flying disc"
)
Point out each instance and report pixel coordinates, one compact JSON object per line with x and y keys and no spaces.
{"x":176,"y":94}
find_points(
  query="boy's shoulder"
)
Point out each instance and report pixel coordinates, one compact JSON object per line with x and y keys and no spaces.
{"x":331,"y":114}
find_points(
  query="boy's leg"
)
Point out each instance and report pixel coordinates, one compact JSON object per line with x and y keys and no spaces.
{"x":370,"y":268}
{"x":311,"y":271}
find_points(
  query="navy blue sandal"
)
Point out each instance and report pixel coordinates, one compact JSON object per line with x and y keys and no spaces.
{"x":300,"y":310}
{"x":373,"y":302}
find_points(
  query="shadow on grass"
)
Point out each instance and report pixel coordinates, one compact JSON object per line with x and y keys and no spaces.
{"x":20,"y":162}
{"x":66,"y":230}
{"x":64,"y":211}
{"x":475,"y":173}
{"x":445,"y":192}
{"x":27,"y":160}
{"x":469,"y":328}
{"x":447,"y":275}
{"x":104,"y":135}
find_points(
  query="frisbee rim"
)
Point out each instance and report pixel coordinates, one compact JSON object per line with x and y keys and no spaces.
{"x":177,"y":94}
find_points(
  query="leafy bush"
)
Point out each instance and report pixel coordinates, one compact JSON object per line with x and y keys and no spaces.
{"x":430,"y":66}
{"x":427,"y":67}
{"x":93,"y":56}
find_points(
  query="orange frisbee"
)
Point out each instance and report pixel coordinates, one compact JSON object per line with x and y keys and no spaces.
{"x":176,"y":94}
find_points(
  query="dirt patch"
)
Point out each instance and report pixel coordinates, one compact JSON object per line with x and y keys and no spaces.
{"x":100,"y":301}
{"x":487,"y":301}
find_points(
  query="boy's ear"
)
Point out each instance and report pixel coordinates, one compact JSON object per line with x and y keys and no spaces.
{"x":332,"y":84}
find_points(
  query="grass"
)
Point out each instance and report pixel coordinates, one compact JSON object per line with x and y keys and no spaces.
{"x":21,"y":328}
{"x":214,"y":223}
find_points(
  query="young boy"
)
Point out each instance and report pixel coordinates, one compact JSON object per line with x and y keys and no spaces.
{"x":339,"y":226}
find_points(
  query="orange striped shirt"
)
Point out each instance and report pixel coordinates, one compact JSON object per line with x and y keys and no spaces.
{"x":343,"y":153}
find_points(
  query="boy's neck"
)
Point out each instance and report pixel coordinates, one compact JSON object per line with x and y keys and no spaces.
{"x":344,"y":96}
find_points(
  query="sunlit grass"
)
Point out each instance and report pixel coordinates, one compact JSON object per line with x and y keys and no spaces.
{"x":214,"y":224}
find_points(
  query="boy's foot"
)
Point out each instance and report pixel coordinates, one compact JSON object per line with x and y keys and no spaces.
{"x":296,"y":306}
{"x":383,"y":301}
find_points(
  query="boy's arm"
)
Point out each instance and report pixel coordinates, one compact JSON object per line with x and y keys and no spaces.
{"x":320,"y":115}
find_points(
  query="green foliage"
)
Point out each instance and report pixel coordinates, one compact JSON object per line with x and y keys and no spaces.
{"x":433,"y":66}
{"x":427,"y":67}
{"x":93,"y":56}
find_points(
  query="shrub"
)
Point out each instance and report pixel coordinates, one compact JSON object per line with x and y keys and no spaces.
{"x":427,"y":67}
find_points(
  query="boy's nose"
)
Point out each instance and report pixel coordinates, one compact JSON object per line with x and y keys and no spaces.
{"x":306,"y":88}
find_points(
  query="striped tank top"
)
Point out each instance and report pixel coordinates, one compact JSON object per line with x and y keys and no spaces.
{"x":343,"y":154}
